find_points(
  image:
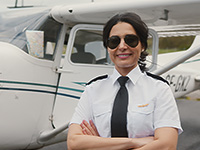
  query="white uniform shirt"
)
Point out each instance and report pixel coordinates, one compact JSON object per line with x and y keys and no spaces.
{"x":151,"y":104}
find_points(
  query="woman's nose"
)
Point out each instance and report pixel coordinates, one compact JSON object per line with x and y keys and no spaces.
{"x":122,"y":45}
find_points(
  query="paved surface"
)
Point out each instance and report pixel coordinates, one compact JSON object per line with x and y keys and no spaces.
{"x":190,"y":118}
{"x":60,"y":146}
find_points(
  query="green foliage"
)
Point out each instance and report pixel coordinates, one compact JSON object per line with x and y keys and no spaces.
{"x":176,"y":43}
{"x":172,"y":44}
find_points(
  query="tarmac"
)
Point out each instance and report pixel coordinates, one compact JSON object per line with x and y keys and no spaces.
{"x":189,"y":109}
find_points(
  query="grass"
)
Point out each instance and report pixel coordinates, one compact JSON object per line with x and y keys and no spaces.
{"x":162,"y":51}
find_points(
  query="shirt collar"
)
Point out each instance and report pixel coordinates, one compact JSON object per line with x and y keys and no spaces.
{"x":133,"y":75}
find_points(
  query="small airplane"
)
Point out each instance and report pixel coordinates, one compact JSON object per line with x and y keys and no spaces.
{"x":48,"y":55}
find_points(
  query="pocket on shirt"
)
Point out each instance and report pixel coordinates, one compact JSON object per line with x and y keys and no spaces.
{"x":141,"y":120}
{"x":146,"y":108}
{"x":101,"y":110}
{"x":102,"y":115}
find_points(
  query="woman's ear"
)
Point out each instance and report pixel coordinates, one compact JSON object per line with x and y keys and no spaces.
{"x":143,"y":48}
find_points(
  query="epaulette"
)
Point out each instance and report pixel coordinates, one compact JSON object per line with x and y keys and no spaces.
{"x":157,"y":77}
{"x":97,"y":78}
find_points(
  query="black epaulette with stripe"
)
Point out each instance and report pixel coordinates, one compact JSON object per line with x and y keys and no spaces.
{"x":97,"y":78}
{"x":157,"y":77}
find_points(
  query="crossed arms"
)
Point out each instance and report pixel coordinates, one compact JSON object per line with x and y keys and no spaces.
{"x":85,"y":136}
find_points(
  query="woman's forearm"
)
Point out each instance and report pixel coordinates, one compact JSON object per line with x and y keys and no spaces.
{"x":157,"y":145}
{"x":165,"y":139}
{"x":78,"y":140}
{"x":81,"y":142}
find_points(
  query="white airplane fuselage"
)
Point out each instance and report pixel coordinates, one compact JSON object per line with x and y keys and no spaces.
{"x":38,"y":95}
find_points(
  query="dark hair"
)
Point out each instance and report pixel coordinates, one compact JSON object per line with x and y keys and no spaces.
{"x":139,"y":26}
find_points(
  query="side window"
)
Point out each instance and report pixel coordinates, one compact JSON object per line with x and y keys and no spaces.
{"x":89,"y":48}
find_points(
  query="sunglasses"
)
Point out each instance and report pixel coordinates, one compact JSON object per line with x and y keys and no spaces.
{"x":130,"y":39}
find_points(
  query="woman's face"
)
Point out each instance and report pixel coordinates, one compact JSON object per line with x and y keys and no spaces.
{"x":123,"y":56}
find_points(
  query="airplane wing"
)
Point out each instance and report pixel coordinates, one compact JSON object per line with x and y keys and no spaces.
{"x":154,"y":12}
{"x":177,"y":30}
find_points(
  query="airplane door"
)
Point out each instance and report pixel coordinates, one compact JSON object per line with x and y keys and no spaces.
{"x":85,"y":59}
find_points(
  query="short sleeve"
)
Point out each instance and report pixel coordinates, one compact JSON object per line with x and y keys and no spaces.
{"x":83,"y":110}
{"x":166,"y":111}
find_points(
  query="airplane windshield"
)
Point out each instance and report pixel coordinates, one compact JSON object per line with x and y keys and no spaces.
{"x":14,"y":25}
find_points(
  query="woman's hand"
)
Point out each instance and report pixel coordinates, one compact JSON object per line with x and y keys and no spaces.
{"x":89,"y":128}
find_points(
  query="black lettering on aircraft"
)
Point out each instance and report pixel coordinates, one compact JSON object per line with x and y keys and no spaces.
{"x":179,"y":82}
{"x":170,"y":79}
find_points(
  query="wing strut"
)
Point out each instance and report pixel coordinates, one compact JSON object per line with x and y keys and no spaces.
{"x":53,"y":135}
{"x":188,"y":54}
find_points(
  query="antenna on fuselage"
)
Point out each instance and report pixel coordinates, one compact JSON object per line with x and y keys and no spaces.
{"x":16,"y":5}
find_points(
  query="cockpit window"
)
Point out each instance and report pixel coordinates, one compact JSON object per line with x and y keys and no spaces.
{"x":51,"y":30}
{"x":25,"y":27}
{"x":13,"y":25}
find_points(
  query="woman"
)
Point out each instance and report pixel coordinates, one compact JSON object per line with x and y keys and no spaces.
{"x":151,"y":119}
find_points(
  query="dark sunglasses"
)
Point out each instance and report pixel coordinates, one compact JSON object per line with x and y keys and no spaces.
{"x":130,"y":39}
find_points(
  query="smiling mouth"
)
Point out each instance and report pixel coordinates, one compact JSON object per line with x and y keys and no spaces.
{"x":123,"y":56}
